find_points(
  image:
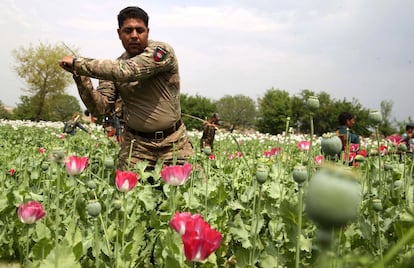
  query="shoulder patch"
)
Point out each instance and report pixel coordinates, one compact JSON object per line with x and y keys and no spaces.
{"x":160,"y":54}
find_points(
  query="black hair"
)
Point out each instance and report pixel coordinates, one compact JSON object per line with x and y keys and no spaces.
{"x":408,"y":126}
{"x":343,"y":117}
{"x":132,"y":13}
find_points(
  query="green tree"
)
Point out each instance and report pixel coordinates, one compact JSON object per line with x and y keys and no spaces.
{"x":4,"y":114}
{"x":324,"y":118}
{"x":274,"y":108}
{"x":38,"y":66}
{"x":61,"y":107}
{"x":386,"y":127}
{"x":237,"y":111}
{"x":196,"y":107}
{"x":58,"y":107}
{"x":24,"y":109}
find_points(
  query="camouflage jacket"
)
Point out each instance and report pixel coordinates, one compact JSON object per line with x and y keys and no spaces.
{"x":149,"y":85}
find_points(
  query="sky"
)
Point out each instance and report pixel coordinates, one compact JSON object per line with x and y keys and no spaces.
{"x":350,"y":49}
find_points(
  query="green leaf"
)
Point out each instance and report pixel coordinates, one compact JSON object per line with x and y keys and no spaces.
{"x":239,"y":231}
{"x":62,"y":255}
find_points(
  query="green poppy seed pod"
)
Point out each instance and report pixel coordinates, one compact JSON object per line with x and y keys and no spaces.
{"x":333,"y":197}
{"x":300,"y":174}
{"x":94,"y":208}
{"x":375,"y":116}
{"x":109,"y":162}
{"x":402,"y":147}
{"x":91,"y":184}
{"x":377,"y":204}
{"x":57,"y":155}
{"x":207,"y":150}
{"x":117,"y":204}
{"x":313,"y":102}
{"x":331,"y":144}
{"x":261,"y":174}
{"x":45,"y":166}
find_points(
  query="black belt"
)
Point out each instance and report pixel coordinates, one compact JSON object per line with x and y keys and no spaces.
{"x":157,"y":135}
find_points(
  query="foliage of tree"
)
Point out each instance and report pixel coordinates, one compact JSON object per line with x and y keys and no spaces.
{"x":56,"y":108}
{"x":38,"y":67}
{"x":193,"y":107}
{"x":237,"y":111}
{"x":385,"y":128}
{"x":276,"y":105}
{"x":274,"y":109}
{"x":4,"y":114}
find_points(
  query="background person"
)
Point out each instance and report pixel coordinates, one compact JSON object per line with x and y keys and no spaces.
{"x":209,"y":131}
{"x":408,"y":138}
{"x":73,"y":123}
{"x":146,"y":76}
{"x":346,"y":121}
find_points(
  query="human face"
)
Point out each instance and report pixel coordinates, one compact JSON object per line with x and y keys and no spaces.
{"x":350,"y":122}
{"x":134,"y":36}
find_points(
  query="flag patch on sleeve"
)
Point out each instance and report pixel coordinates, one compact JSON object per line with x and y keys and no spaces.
{"x":160,"y":54}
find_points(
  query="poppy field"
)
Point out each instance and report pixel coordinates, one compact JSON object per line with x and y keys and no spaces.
{"x":256,"y":201}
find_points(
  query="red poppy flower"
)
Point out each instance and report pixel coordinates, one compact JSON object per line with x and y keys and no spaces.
{"x":42,"y":150}
{"x":176,"y":175}
{"x":12,"y":171}
{"x":212,"y":157}
{"x":363,"y":153}
{"x":200,"y":240}
{"x":125,"y":180}
{"x":180,"y":219}
{"x":30,"y":212}
{"x":75,"y":165}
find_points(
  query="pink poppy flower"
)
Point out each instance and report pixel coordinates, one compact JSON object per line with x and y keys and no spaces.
{"x":230,"y":156}
{"x":30,"y":212}
{"x":304,"y":145}
{"x":239,"y":154}
{"x":396,"y":139}
{"x":125,"y":180}
{"x":42,"y":150}
{"x":200,"y":240}
{"x":75,"y":165}
{"x":12,"y":171}
{"x":61,"y":136}
{"x":353,"y":147}
{"x":180,"y":219}
{"x":176,"y":175}
{"x":318,"y":159}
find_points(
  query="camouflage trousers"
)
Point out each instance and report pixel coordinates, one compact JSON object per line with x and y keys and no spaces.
{"x":207,"y":139}
{"x":173,"y":149}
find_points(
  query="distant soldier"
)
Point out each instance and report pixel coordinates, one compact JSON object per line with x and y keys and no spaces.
{"x":209,"y":131}
{"x":73,"y":123}
{"x":114,"y":123}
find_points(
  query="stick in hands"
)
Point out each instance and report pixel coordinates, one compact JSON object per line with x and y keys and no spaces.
{"x":68,"y":62}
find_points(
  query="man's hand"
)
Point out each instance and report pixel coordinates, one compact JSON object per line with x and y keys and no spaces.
{"x":67,"y":64}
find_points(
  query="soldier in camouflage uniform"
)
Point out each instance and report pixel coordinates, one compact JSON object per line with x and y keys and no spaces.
{"x":209,"y":131}
{"x":146,"y":77}
{"x":73,"y":123}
